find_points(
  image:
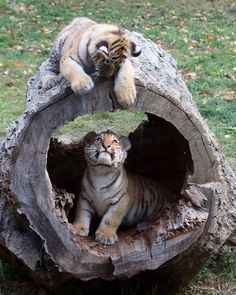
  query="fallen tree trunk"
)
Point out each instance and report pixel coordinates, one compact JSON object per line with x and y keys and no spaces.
{"x":40,"y":181}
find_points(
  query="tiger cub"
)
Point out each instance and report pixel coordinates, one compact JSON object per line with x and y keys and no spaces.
{"x":85,"y":47}
{"x":115,"y":195}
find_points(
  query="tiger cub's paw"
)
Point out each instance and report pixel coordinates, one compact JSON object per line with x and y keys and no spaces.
{"x":81,"y":230}
{"x":125,"y":93}
{"x":106,"y":237}
{"x":83,"y":85}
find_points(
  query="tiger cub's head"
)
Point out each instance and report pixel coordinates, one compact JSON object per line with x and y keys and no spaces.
{"x":110,"y":50}
{"x":106,"y":148}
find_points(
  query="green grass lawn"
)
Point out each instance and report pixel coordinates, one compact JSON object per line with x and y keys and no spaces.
{"x":201,"y":35}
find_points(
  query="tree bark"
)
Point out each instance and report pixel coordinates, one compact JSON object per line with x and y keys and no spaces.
{"x":174,"y":146}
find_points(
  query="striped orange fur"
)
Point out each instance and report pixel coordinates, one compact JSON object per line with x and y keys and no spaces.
{"x":115,"y":195}
{"x":85,"y":47}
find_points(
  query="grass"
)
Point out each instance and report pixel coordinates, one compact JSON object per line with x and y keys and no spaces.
{"x":121,"y":121}
{"x":199,"y":34}
{"x":218,"y":277}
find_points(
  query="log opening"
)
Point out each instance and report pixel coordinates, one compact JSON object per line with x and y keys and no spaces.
{"x":159,"y":152}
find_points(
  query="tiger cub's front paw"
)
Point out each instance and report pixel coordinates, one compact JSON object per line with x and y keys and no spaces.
{"x":106,"y":237}
{"x":81,"y":229}
{"x":83,"y":85}
{"x":125,"y":93}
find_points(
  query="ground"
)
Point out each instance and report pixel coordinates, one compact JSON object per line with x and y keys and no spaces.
{"x":199,"y":34}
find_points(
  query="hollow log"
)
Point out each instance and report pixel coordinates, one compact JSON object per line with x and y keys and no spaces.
{"x":40,"y":181}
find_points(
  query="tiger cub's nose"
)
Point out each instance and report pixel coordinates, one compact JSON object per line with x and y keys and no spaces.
{"x":105,"y":146}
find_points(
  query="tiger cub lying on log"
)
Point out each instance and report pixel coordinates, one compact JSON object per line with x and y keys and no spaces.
{"x":85,"y":47}
{"x":115,"y":195}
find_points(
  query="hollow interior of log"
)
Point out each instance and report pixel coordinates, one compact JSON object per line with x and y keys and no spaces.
{"x":159,"y":151}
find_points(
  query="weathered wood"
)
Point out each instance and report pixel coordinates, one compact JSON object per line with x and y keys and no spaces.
{"x":178,"y":149}
{"x":232,"y":238}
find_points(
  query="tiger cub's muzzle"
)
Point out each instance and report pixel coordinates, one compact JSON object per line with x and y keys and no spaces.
{"x":104,"y":152}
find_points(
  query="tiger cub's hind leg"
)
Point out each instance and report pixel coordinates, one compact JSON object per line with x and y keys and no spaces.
{"x":52,"y":77}
{"x":49,"y":81}
{"x":125,"y":89}
{"x":146,"y":225}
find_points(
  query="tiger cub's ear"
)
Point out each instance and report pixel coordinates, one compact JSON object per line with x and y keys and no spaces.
{"x":135,"y":49}
{"x":125,"y":143}
{"x":90,"y":137}
{"x":102,"y":46}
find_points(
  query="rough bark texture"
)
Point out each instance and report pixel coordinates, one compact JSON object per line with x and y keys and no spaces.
{"x":174,"y":146}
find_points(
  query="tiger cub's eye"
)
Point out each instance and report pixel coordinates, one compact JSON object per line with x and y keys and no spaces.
{"x":99,"y":139}
{"x":114,"y":141}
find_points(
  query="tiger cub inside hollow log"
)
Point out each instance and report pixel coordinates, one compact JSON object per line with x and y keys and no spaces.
{"x":115,"y":195}
{"x":85,"y":47}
